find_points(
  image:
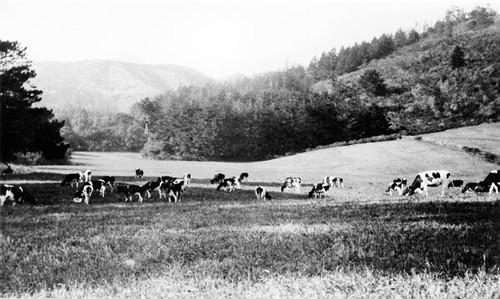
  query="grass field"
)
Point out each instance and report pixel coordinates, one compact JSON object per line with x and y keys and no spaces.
{"x":356,"y":243}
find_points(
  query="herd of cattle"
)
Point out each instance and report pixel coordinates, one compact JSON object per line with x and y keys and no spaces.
{"x":172,"y":188}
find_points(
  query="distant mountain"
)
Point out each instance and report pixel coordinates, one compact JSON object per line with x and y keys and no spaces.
{"x":108,"y":85}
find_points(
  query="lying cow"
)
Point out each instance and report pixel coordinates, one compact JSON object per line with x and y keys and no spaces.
{"x":217,"y":178}
{"x":493,"y":180}
{"x":334,"y":181}
{"x":292,"y":183}
{"x":139,"y":173}
{"x":229,"y":184}
{"x":13,"y":194}
{"x":170,"y":190}
{"x":398,"y":185}
{"x":84,"y":193}
{"x":319,"y":189}
{"x":262,"y":193}
{"x":72,"y":179}
{"x":456,"y":184}
{"x":432,"y":178}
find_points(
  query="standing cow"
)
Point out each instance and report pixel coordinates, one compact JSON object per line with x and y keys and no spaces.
{"x":431,"y":178}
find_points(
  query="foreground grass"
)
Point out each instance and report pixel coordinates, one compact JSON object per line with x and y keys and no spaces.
{"x":216,"y":244}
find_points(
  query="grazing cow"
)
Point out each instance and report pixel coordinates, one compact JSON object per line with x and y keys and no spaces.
{"x":334,"y":181}
{"x":243,"y":176}
{"x":139,"y":173}
{"x":492,"y":180}
{"x":110,"y":181}
{"x":456,"y":184}
{"x":84,"y":193}
{"x":292,"y":182}
{"x":99,"y":185}
{"x":130,"y":190}
{"x":229,"y":184}
{"x":432,"y":178}
{"x":262,"y":193}
{"x":217,"y":178}
{"x":13,"y":194}
{"x":172,"y":190}
{"x":86,"y":175}
{"x":398,"y":185}
{"x":186,"y":179}
{"x":319,"y":189}
{"x":7,"y":171}
{"x":153,"y":186}
{"x":72,"y":179}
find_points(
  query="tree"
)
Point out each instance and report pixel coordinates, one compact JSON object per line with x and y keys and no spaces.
{"x":457,"y":58}
{"x":24,"y":128}
{"x":481,"y":17}
{"x":373,"y":83}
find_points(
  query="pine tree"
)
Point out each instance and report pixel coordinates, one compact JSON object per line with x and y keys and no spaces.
{"x":457,"y":58}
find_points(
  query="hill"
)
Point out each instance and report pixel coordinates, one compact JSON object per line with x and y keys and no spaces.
{"x":102,"y":85}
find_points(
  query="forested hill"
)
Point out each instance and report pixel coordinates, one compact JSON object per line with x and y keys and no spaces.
{"x":104,"y":85}
{"x":408,"y":82}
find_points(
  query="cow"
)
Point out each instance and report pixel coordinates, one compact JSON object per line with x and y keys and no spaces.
{"x":492,"y":180}
{"x":72,"y":179}
{"x":217,"y":178}
{"x":86,"y":175}
{"x":456,"y":184}
{"x":110,"y":181}
{"x":480,"y":187}
{"x":153,"y":186}
{"x":262,"y":193}
{"x":229,"y":184}
{"x":84,"y":193}
{"x":175,"y":180}
{"x":292,"y":182}
{"x":243,"y":176}
{"x":99,"y":185}
{"x":334,"y":181}
{"x":129,"y":190}
{"x":319,"y":189}
{"x":431,"y":178}
{"x":139,"y":173}
{"x":13,"y":194}
{"x":172,"y":190}
{"x":7,"y":171}
{"x":398,"y":185}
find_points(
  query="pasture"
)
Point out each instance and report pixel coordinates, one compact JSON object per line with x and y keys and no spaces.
{"x":358,"y":242}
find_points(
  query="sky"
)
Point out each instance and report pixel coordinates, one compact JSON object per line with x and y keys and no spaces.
{"x":216,"y":37}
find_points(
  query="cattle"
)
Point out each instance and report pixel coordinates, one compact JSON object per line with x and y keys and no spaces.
{"x":172,"y":190}
{"x":7,"y":171}
{"x":243,"y":176}
{"x":262,"y":193}
{"x":217,"y":178}
{"x":456,"y":184}
{"x":139,"y":173}
{"x":99,"y":185}
{"x":431,"y":178}
{"x":398,"y":185}
{"x":129,"y":190}
{"x":72,"y":179}
{"x":84,"y":193}
{"x":292,"y":183}
{"x":229,"y":184}
{"x":153,"y":186}
{"x":481,"y":187}
{"x":86,"y":175}
{"x":334,"y":181}
{"x":492,"y":180}
{"x":15,"y":194}
{"x":110,"y":181}
{"x":319,"y":189}
{"x":175,"y":180}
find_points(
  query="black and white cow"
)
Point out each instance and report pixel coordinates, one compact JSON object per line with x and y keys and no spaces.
{"x":456,"y":184}
{"x":230,"y":184}
{"x":72,"y":179}
{"x":431,"y":178}
{"x":15,"y":194}
{"x":319,"y":189}
{"x":334,"y":181}
{"x":139,"y":173}
{"x":398,"y":185}
{"x":493,"y":180}
{"x":243,"y":176}
{"x":262,"y":193}
{"x":110,"y":181}
{"x":130,"y":190}
{"x":217,"y":178}
{"x":175,"y":180}
{"x":152,"y":186}
{"x":171,"y":190}
{"x":86,"y":176}
{"x":292,"y":183}
{"x":84,"y":193}
{"x":99,"y":185}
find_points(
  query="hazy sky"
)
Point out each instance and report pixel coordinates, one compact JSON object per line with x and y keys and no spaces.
{"x":217,"y":38}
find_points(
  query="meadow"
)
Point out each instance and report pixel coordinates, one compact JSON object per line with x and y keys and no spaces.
{"x":357,"y":242}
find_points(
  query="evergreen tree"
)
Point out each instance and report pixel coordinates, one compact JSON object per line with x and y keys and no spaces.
{"x":457,"y":58}
{"x":24,"y":128}
{"x":373,"y":83}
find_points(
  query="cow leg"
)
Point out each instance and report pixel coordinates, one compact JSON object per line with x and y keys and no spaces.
{"x":493,"y":187}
